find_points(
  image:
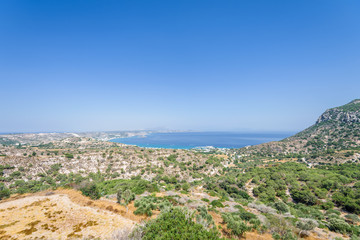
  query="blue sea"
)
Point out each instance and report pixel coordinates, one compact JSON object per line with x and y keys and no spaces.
{"x":188,"y":140}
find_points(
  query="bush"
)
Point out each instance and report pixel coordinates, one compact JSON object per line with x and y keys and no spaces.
{"x":281,"y":207}
{"x":4,"y":191}
{"x":145,"y":206}
{"x":327,"y":205}
{"x":237,"y":221}
{"x":338,"y":225}
{"x":91,"y":190}
{"x":186,"y":187}
{"x":127,"y":196}
{"x":332,"y":211}
{"x":204,"y":218}
{"x":235,"y":224}
{"x":69,"y":155}
{"x":136,"y":185}
{"x":217,"y":203}
{"x":288,"y":235}
{"x":303,"y":196}
{"x":177,"y":224}
{"x":262,"y":208}
{"x":353,"y":218}
{"x":306,"y":225}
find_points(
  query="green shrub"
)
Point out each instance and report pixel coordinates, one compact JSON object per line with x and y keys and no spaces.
{"x":332,"y":211}
{"x":204,"y":218}
{"x":237,"y":221}
{"x":177,"y":224}
{"x":235,"y":224}
{"x":217,"y":203}
{"x":338,"y":225}
{"x":69,"y":155}
{"x":91,"y":190}
{"x":145,"y":206}
{"x":4,"y":191}
{"x":353,"y":218}
{"x":281,"y":207}
{"x":288,"y":235}
{"x":186,"y":186}
{"x":327,"y":205}
{"x":125,"y":197}
{"x":303,"y":196}
{"x":137,"y":186}
{"x":306,"y":225}
{"x":205,"y":200}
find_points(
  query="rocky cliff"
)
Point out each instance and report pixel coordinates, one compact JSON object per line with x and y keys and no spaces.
{"x":336,"y":130}
{"x":349,"y":113}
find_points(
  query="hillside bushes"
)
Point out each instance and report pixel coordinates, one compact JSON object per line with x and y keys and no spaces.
{"x":303,"y":196}
{"x":136,"y":185}
{"x":177,"y":224}
{"x":240,"y":222}
{"x":146,"y":205}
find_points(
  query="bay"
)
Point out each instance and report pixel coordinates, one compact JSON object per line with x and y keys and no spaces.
{"x":188,"y":140}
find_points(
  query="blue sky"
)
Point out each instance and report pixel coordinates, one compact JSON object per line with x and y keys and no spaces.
{"x":189,"y":64}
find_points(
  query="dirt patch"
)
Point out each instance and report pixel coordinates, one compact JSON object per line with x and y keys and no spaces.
{"x":103,"y":204}
{"x":57,"y":216}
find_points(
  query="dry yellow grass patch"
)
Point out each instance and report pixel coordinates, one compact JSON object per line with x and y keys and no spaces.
{"x":103,"y":204}
{"x":224,"y":156}
{"x":58,"y":216}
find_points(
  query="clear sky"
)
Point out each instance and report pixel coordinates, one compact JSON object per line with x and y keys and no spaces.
{"x":179,"y":64}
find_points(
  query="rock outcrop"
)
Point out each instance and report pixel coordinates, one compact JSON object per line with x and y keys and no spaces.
{"x":339,"y":116}
{"x":348,"y":113}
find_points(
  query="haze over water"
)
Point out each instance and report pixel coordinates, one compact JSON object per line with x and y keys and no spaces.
{"x":188,"y":140}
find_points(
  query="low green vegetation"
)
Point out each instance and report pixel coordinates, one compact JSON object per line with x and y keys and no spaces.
{"x":91,"y":190}
{"x":177,"y":223}
{"x":241,"y":221}
{"x":125,"y":197}
{"x":4,"y":191}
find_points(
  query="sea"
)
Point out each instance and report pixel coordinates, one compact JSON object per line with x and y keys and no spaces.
{"x":189,"y":140}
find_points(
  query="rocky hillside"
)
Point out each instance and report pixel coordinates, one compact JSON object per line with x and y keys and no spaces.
{"x":349,"y":113}
{"x":336,"y":133}
{"x":337,"y":128}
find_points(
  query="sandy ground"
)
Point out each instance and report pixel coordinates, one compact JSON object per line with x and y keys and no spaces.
{"x":56,"y":216}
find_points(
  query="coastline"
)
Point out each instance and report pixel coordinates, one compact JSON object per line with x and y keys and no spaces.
{"x":199,"y":140}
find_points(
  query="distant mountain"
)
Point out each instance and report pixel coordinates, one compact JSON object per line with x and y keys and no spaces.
{"x":336,"y":130}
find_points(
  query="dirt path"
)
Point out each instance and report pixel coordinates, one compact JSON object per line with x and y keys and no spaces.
{"x":249,"y":188}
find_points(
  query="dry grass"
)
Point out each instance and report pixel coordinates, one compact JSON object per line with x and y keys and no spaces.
{"x":108,"y":205}
{"x":66,"y":214}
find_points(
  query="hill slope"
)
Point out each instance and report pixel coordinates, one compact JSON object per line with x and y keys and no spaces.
{"x":336,"y":130}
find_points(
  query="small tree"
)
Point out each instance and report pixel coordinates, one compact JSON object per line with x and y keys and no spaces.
{"x":125,"y":197}
{"x":91,"y":190}
{"x":128,"y":196}
{"x":4,"y":191}
{"x":119,"y":195}
{"x":186,"y":186}
{"x":281,"y":207}
{"x":235,"y":224}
